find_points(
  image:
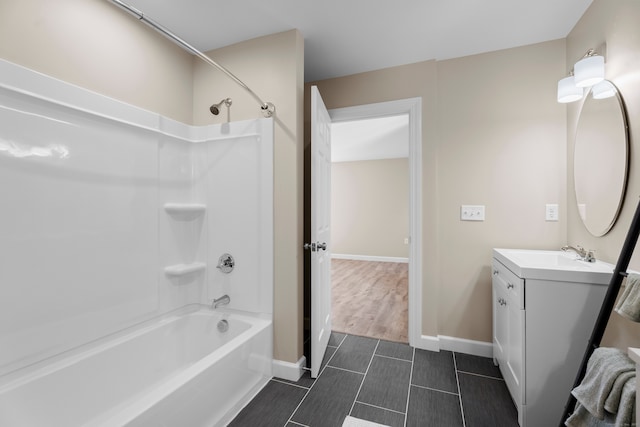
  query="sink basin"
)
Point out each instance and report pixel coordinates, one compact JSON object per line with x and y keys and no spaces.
{"x":554,"y":265}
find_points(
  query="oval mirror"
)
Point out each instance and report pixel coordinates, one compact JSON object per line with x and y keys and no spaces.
{"x":601,"y":160}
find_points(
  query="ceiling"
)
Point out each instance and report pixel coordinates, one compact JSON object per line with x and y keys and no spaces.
{"x":345,"y":37}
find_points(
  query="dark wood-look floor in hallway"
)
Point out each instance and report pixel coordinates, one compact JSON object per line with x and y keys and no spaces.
{"x":370,"y":298}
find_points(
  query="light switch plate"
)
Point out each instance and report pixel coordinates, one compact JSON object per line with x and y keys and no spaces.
{"x":472,"y":212}
{"x":552,"y":212}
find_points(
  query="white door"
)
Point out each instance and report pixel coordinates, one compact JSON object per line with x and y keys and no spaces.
{"x":320,"y":245}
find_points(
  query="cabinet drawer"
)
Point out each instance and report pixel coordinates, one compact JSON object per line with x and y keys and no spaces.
{"x":512,"y":283}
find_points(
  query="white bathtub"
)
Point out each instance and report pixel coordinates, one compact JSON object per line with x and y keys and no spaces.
{"x":176,"y":371}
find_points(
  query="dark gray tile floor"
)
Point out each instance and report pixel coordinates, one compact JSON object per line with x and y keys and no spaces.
{"x":387,"y":383}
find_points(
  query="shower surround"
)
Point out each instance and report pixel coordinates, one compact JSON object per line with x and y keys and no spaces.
{"x":113,"y":221}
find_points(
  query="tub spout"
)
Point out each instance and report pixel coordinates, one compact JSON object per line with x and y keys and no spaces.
{"x":223,"y":300}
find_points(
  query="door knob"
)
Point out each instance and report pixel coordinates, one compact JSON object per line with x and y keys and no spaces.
{"x":313,"y":247}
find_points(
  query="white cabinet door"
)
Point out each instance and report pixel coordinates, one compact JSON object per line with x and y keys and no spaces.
{"x":515,"y":349}
{"x":500,"y":323}
{"x":515,"y":352}
{"x":508,"y":329}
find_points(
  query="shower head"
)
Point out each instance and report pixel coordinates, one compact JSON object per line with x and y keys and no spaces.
{"x":215,"y":108}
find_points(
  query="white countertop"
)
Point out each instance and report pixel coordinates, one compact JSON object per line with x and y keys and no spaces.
{"x":554,"y":265}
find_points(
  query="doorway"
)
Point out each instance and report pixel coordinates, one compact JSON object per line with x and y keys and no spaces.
{"x":370,"y":227}
{"x":413,"y":108}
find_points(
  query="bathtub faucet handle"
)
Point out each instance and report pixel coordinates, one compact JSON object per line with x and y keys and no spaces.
{"x":226,"y":263}
{"x":223,"y":300}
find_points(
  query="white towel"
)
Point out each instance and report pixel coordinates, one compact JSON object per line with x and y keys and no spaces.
{"x":628,"y":305}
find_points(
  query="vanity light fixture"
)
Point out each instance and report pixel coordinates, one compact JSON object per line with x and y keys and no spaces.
{"x":604,"y":89}
{"x":568,"y":91}
{"x":587,"y":72}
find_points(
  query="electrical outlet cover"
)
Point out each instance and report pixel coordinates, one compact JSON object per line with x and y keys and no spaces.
{"x":472,"y":212}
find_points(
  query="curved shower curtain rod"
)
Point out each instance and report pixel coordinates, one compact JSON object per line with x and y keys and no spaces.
{"x":267,"y":108}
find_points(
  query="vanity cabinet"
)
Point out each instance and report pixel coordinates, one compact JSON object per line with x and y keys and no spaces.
{"x":543,"y":316}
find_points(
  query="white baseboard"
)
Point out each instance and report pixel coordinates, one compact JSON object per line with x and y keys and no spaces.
{"x":459,"y":345}
{"x":370,"y":258}
{"x":289,"y":371}
{"x":427,"y":342}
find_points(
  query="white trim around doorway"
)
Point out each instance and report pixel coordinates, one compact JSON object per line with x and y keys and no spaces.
{"x":412,"y":107}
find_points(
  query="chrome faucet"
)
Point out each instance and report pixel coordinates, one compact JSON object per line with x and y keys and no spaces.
{"x":226,"y":263}
{"x":223,"y":300}
{"x":584,"y":255}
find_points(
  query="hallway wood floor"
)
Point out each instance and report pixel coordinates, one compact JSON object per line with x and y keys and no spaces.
{"x":370,"y":299}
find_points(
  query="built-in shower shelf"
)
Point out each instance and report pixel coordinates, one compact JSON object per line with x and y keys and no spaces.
{"x":184,"y":269}
{"x":185,"y":208}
